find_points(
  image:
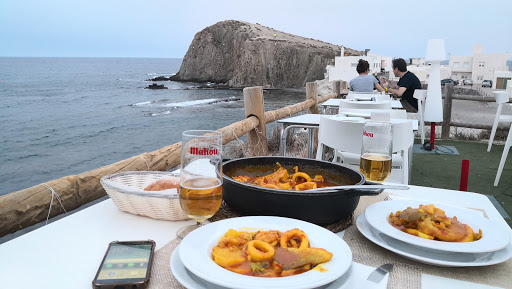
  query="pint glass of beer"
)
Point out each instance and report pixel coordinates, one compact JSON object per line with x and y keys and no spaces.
{"x":200,"y":176}
{"x":377,"y":148}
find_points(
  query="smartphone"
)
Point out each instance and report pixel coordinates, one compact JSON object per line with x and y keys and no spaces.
{"x":126,"y":265}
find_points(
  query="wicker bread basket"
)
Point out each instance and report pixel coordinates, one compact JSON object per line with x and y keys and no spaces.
{"x":123,"y":190}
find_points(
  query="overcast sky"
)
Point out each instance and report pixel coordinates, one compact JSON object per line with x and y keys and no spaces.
{"x":165,"y":28}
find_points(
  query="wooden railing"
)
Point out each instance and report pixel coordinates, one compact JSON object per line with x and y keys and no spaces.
{"x":449,"y":96}
{"x":31,"y":206}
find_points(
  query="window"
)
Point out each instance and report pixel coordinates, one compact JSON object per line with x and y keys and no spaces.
{"x":481,"y":64}
{"x":466,"y":64}
{"x":456,"y":64}
{"x":480,"y":77}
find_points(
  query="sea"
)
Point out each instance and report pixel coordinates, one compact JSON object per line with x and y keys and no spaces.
{"x":65,"y":116}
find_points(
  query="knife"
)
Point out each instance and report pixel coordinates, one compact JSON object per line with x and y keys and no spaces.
{"x":379,"y":273}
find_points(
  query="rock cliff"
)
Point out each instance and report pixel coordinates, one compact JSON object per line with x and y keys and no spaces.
{"x":240,"y":54}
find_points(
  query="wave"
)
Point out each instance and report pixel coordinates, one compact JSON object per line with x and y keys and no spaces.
{"x":188,"y":103}
{"x":161,"y":74}
{"x":144,"y":103}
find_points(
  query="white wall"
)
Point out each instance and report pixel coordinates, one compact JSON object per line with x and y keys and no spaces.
{"x":345,"y":66}
{"x":423,"y":72}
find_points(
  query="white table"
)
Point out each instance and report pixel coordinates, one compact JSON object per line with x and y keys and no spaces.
{"x":335,"y":103}
{"x":310,"y":122}
{"x":66,"y":254}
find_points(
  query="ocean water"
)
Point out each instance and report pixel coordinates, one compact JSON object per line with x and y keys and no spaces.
{"x":64,"y":116}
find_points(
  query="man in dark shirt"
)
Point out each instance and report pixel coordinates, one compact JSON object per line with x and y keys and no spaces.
{"x":406,"y":85}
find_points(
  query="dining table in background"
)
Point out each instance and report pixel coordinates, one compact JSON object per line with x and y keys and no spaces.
{"x":66,"y":253}
{"x":334,"y":103}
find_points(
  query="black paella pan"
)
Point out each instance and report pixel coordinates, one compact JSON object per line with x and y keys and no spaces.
{"x":319,"y":208}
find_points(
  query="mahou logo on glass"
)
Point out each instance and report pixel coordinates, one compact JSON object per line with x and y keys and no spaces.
{"x":203,"y":151}
{"x":368,"y":134}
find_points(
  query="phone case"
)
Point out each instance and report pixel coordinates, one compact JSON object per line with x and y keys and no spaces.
{"x":133,"y":285}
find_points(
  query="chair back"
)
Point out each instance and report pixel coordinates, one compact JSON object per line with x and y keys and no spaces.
{"x":420,"y":94}
{"x":347,"y":137}
{"x":343,"y":135}
{"x":501,"y":97}
{"x":364,"y":104}
{"x":403,"y":136}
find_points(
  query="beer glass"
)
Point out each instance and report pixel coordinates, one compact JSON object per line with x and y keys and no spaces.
{"x":377,"y":148}
{"x":200,"y":176}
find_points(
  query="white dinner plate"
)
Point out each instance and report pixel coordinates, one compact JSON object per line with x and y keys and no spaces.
{"x":191,"y":281}
{"x":494,"y":237}
{"x":432,"y":257}
{"x":196,"y":248}
{"x":363,"y":98}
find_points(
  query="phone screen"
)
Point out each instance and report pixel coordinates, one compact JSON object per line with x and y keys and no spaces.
{"x":126,"y":261}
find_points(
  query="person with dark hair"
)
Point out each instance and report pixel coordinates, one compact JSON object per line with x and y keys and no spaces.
{"x":364,"y":82}
{"x":405,"y":87}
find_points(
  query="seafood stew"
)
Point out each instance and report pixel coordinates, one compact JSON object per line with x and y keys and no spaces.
{"x":282,"y":179}
{"x":431,"y":223}
{"x":268,"y":253}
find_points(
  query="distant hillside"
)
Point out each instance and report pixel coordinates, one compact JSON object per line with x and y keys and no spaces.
{"x":241,"y":54}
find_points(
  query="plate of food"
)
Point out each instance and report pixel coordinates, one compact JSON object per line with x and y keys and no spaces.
{"x":265,"y":252}
{"x":189,"y":280}
{"x":437,"y":226}
{"x":430,"y":256}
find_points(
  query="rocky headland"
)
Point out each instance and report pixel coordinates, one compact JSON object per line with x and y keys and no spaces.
{"x":238,"y":54}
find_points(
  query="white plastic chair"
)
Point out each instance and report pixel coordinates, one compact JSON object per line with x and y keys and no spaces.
{"x":345,"y":137}
{"x":421,"y":95}
{"x":348,"y":104}
{"x":503,"y":157}
{"x":502,"y":97}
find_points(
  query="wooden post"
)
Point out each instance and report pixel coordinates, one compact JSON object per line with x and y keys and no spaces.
{"x":257,"y":138}
{"x":312,"y":93}
{"x":343,"y":85}
{"x":447,"y":111}
{"x":337,"y":88}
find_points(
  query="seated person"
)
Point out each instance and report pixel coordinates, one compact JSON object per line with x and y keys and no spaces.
{"x":364,"y":82}
{"x":405,"y":87}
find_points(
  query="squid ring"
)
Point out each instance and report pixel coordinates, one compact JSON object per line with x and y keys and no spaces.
{"x":301,"y":175}
{"x":292,"y":237}
{"x":259,"y":250}
{"x":270,"y":237}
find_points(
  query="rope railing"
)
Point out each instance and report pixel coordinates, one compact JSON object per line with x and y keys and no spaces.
{"x":33,"y":205}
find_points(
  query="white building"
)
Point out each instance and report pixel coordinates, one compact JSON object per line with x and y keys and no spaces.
{"x":477,"y":67}
{"x":482,"y":66}
{"x":345,"y":66}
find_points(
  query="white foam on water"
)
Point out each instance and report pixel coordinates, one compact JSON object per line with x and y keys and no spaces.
{"x":144,"y":103}
{"x":191,"y":103}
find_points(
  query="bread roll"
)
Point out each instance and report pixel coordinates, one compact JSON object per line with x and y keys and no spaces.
{"x":164,"y":184}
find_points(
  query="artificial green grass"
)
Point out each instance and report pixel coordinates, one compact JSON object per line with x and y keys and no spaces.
{"x":444,"y":171}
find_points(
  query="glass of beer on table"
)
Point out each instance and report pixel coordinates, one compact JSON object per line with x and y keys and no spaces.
{"x":377,"y":148}
{"x":200,"y":176}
